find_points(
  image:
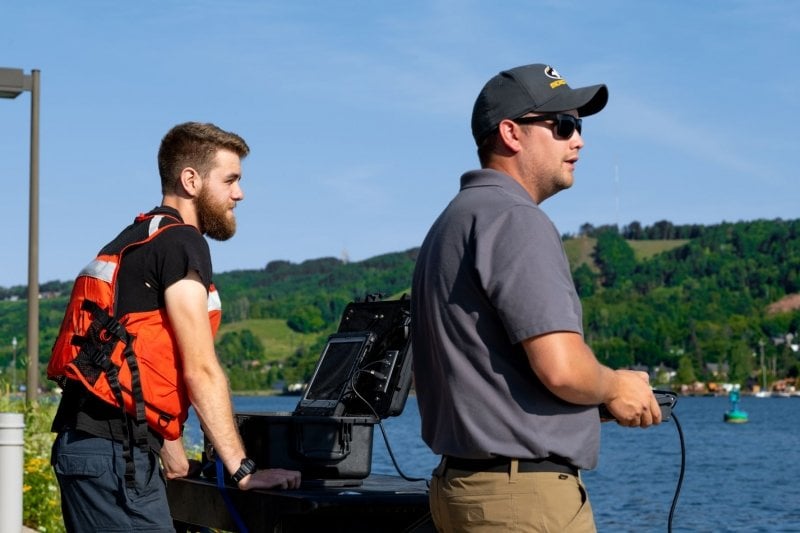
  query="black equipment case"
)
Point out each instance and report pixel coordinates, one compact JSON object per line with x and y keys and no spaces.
{"x":321,"y":447}
{"x":362,"y":376}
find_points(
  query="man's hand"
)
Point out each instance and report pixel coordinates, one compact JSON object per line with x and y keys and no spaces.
{"x":173,"y":459}
{"x":271,"y":478}
{"x":633,"y":403}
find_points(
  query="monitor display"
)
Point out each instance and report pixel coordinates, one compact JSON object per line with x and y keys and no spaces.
{"x":335,"y":368}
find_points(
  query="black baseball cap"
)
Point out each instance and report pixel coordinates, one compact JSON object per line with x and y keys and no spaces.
{"x":520,"y":90}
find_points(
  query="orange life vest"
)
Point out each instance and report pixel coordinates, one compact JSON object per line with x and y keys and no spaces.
{"x":131,"y":360}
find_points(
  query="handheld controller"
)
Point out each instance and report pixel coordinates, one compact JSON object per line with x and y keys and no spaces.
{"x":666,"y":400}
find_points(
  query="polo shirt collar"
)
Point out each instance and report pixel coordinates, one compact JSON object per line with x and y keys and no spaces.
{"x":487,"y":177}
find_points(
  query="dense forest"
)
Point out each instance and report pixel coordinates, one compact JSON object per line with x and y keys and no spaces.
{"x":714,"y":302}
{"x":689,"y":302}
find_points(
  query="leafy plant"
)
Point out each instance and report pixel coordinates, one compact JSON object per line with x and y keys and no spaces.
{"x":40,"y":496}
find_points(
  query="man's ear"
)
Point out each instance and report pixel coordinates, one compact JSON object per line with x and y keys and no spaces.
{"x":509,"y":133}
{"x":191,"y":181}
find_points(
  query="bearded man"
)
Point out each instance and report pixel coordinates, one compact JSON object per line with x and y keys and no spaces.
{"x":136,"y":348}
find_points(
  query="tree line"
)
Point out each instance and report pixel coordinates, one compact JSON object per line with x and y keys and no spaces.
{"x":700,"y":308}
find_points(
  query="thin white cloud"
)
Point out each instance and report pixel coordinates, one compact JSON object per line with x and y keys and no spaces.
{"x":683,"y":132}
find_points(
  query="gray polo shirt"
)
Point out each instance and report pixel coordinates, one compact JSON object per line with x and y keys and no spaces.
{"x":492,"y":272}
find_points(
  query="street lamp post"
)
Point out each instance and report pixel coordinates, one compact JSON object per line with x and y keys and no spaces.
{"x":13,"y":82}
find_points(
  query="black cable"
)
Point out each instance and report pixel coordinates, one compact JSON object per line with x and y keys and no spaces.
{"x":680,"y":477}
{"x":425,"y":518}
{"x":380,"y":425}
{"x":394,"y":461}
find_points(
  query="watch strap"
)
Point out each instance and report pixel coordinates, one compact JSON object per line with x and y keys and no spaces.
{"x":247,"y":467}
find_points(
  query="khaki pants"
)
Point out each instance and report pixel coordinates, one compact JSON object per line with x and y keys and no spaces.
{"x":538,"y":502}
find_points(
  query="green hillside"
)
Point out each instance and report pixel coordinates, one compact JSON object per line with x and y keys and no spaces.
{"x":647,"y":249}
{"x":580,"y":250}
{"x":279,"y":340}
{"x":692,"y":298}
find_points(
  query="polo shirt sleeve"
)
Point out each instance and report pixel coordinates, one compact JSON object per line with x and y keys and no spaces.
{"x":524,"y":270}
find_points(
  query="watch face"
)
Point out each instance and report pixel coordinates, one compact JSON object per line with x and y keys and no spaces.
{"x":248,"y":466}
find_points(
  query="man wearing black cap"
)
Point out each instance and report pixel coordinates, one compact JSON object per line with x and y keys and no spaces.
{"x":507,"y":388}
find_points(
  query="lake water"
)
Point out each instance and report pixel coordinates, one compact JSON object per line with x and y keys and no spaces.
{"x":739,"y":477}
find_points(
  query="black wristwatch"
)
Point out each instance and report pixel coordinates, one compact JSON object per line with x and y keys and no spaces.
{"x":247,"y":467}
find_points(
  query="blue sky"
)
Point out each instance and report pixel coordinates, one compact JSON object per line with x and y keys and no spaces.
{"x":357,"y":114}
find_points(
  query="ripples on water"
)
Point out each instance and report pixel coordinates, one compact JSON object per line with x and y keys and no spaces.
{"x":739,"y":477}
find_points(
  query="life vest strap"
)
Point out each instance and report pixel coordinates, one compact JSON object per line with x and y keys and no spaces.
{"x":107,"y":323}
{"x":97,"y":346}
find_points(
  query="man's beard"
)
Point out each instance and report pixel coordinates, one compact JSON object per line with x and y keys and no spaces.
{"x":212,"y":218}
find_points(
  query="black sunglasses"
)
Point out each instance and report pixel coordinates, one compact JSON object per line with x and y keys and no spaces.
{"x":565,"y":125}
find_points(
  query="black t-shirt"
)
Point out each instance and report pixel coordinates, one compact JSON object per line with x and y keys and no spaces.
{"x":148,"y":270}
{"x":145,"y":272}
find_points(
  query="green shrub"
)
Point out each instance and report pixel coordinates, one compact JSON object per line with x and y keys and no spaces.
{"x":41,"y":501}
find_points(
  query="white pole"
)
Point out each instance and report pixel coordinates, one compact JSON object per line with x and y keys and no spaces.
{"x":12,"y":427}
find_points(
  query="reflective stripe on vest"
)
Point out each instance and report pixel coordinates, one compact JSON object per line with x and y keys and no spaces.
{"x":99,"y":269}
{"x":104,"y":270}
{"x":155,"y":222}
{"x":214,"y":301}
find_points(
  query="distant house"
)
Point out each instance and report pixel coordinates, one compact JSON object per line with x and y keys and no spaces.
{"x":718,"y":370}
{"x":662,"y":374}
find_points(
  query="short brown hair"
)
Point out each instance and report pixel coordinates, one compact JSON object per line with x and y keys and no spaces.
{"x":487,"y":147}
{"x":194,"y":144}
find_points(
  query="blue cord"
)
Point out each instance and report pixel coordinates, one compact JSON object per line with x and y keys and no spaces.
{"x":225,"y":496}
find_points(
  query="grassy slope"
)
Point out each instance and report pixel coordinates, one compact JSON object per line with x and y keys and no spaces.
{"x":647,"y":249}
{"x":579,"y":250}
{"x":279,"y":341}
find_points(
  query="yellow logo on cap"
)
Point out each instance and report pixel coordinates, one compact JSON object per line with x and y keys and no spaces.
{"x":554,"y":84}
